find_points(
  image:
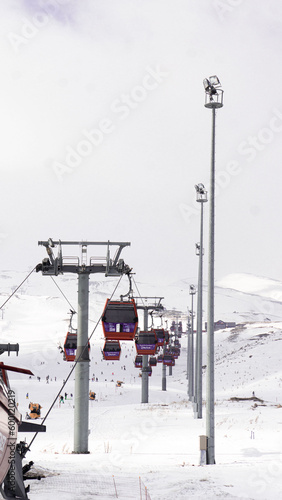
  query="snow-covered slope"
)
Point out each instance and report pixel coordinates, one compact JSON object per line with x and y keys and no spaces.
{"x":158,"y":441}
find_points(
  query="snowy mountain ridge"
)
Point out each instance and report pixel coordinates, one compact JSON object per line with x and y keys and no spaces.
{"x":238,"y":297}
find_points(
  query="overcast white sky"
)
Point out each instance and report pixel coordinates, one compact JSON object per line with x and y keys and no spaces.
{"x":127,"y":75}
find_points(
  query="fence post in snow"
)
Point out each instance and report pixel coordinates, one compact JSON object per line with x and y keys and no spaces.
{"x":115,"y":486}
{"x":140,"y":486}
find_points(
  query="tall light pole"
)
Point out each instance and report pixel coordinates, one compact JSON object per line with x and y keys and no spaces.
{"x":213,"y":100}
{"x":188,"y":346}
{"x":201,"y":198}
{"x":192,"y":292}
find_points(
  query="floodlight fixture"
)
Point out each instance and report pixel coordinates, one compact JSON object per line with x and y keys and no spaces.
{"x":206,"y":84}
{"x":197,"y":187}
{"x":214,"y":81}
{"x":200,"y":188}
{"x":214,"y":94}
{"x":211,"y":84}
{"x":201,"y":192}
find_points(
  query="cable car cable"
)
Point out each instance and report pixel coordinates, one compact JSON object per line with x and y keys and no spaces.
{"x":138,"y":292}
{"x":90,"y":320}
{"x":152,"y":319}
{"x":72,"y":369}
{"x":62,"y":293}
{"x":17,"y":288}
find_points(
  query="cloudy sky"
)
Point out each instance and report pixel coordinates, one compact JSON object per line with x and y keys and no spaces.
{"x":104,"y":132}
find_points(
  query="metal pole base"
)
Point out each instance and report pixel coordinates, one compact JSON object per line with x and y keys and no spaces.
{"x":81,"y":407}
{"x":203,"y":457}
{"x":164,"y":377}
{"x":210,"y":451}
{"x":145,"y":380}
{"x":80,"y":452}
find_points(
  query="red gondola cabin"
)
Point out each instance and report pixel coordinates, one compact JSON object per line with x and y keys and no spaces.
{"x":146,"y":343}
{"x":70,"y":347}
{"x":112,"y":350}
{"x":168,"y":360}
{"x":153,"y":361}
{"x":160,"y":336}
{"x":138,"y":362}
{"x":120,"y":320}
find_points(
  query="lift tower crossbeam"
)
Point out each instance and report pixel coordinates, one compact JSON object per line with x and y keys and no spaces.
{"x":53,"y":266}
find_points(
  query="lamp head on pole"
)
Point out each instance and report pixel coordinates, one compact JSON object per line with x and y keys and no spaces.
{"x":214,"y":94}
{"x":201,"y":192}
